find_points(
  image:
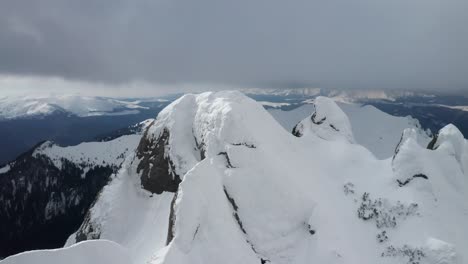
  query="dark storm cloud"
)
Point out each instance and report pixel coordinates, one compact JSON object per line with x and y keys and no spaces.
{"x":326,"y":43}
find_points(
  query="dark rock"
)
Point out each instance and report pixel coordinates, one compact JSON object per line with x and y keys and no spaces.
{"x":317,"y":122}
{"x":431,"y":144}
{"x":403,"y":183}
{"x":397,"y":148}
{"x":157,"y":170}
{"x":235,"y":207}
{"x":297,"y":130}
{"x":228,"y":161}
{"x":170,"y":229}
{"x":334,"y":128}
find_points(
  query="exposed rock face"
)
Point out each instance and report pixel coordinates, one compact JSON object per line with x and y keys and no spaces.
{"x":170,"y":227}
{"x":157,"y":175}
{"x":88,"y":230}
{"x":157,"y":171}
{"x":431,"y":144}
{"x":43,"y":204}
{"x":297,"y":130}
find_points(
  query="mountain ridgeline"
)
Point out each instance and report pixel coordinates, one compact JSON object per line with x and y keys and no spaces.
{"x":216,"y":179}
{"x":47,"y":191}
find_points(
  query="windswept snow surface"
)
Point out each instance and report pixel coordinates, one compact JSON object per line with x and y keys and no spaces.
{"x":89,"y":252}
{"x":251,"y":192}
{"x":379,"y":132}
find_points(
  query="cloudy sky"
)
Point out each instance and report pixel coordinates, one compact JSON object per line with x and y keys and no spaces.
{"x":156,"y":45}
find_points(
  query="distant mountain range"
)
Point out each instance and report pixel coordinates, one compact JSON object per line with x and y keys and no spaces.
{"x":80,"y":106}
{"x":67,"y":120}
{"x":70,"y":120}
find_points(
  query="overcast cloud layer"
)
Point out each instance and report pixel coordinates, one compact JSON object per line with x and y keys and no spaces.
{"x":405,"y":44}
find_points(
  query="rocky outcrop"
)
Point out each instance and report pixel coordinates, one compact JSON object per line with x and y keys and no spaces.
{"x":157,"y":170}
{"x":327,"y":121}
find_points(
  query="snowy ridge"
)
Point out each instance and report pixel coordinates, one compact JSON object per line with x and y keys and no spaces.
{"x":208,"y":123}
{"x":451,"y":141}
{"x":379,"y":132}
{"x":250,"y":192}
{"x":111,"y":153}
{"x":90,"y":154}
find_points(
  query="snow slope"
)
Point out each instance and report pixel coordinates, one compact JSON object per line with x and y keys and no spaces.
{"x":90,"y":252}
{"x":377,"y":131}
{"x":21,"y":107}
{"x":110,"y":153}
{"x":46,"y":192}
{"x":251,"y":192}
{"x":129,"y":215}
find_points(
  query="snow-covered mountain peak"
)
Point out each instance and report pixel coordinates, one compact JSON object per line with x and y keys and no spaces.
{"x":215,"y":179}
{"x":451,"y":140}
{"x":327,"y":121}
{"x":205,"y":125}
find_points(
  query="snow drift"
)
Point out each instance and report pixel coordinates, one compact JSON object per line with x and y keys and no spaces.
{"x":90,"y":252}
{"x":216,"y":179}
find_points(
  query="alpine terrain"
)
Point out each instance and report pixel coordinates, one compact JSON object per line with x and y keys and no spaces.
{"x":46,"y":192}
{"x":216,"y":178}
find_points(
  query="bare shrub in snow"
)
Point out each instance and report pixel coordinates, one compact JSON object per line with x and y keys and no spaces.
{"x":414,"y":255}
{"x":384,"y":213}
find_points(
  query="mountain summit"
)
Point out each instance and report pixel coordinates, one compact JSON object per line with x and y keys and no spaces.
{"x":216,"y":179}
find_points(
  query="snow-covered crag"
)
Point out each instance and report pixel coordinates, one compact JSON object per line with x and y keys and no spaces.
{"x":46,"y":192}
{"x":377,"y":131}
{"x":215,"y":179}
{"x":327,"y":121}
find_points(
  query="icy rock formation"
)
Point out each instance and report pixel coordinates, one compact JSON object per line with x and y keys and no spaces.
{"x":327,"y":121}
{"x":450,"y":140}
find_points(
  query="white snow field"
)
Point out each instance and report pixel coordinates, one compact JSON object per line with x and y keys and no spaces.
{"x":252,"y":192}
{"x":89,"y":252}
